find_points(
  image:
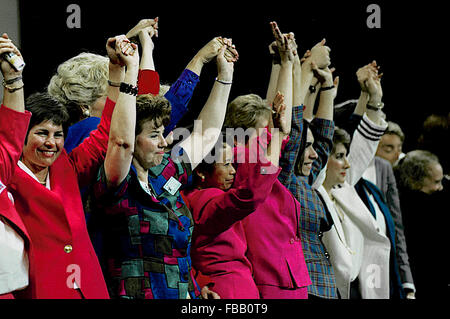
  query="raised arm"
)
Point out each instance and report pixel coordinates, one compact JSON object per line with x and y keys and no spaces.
{"x":362,"y":75}
{"x":13,"y":118}
{"x":142,"y":34}
{"x":144,"y":31}
{"x":116,"y":70}
{"x":280,"y":129}
{"x":319,"y":58}
{"x":181,"y":91}
{"x":13,"y":96}
{"x":209,"y":52}
{"x":322,"y":126}
{"x":369,"y":131}
{"x":87,"y":157}
{"x":285,"y":44}
{"x":375,"y":105}
{"x":274,"y":72}
{"x":123,"y":121}
{"x":208,"y":125}
{"x":327,"y":93}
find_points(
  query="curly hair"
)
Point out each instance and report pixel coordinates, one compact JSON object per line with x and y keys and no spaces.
{"x":152,"y":108}
{"x":245,"y":110}
{"x":80,"y":81}
{"x":414,"y":168}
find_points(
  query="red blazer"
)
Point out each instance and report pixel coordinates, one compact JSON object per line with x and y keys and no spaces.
{"x":13,"y":129}
{"x":60,"y":249}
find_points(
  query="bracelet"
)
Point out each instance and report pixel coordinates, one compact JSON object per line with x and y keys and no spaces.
{"x":6,"y":82}
{"x":116,"y":84}
{"x":12,"y":90}
{"x":128,"y":88}
{"x":223,"y":82}
{"x":376,"y":107}
{"x":326,"y":88}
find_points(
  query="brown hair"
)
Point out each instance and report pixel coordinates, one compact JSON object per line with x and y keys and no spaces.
{"x":152,"y":108}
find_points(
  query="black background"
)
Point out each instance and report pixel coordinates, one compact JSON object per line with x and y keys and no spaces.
{"x":405,"y":46}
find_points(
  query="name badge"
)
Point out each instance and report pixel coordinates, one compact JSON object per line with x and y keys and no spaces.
{"x":172,"y":186}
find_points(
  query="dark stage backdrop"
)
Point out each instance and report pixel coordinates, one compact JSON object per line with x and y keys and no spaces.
{"x":399,"y":46}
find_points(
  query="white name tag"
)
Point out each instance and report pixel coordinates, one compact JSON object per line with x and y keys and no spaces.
{"x":172,"y":186}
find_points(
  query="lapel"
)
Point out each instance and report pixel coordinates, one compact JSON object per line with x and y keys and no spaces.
{"x":378,"y":196}
{"x":354,"y":207}
{"x":334,"y":214}
{"x":8,"y":211}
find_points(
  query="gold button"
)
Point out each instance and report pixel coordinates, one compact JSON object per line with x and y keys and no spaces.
{"x":68,"y":248}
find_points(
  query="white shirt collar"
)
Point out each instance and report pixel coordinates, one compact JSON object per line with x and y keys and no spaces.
{"x":29,"y":172}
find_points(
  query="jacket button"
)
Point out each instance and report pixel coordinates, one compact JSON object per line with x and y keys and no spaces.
{"x":292,"y":240}
{"x":320,"y":234}
{"x":68,"y":248}
{"x":327,"y":255}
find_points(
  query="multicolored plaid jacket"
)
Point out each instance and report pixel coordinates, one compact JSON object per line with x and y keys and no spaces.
{"x":147,"y":239}
{"x":313,"y":216}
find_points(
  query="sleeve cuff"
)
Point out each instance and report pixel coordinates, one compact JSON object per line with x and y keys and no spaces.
{"x":148,"y":82}
{"x":408,"y":285}
{"x":370,"y":130}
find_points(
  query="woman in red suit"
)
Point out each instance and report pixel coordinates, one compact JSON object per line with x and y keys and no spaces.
{"x":45,"y":188}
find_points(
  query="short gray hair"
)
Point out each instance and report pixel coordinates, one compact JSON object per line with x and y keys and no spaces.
{"x":414,"y":168}
{"x":81,"y":80}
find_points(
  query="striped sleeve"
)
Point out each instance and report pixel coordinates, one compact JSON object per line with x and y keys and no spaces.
{"x":363,"y":147}
{"x":370,"y":130}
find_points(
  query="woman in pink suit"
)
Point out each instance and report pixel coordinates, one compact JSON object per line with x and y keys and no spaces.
{"x":222,"y":197}
{"x":45,"y":188}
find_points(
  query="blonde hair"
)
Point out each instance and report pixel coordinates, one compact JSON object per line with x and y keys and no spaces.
{"x":81,"y":80}
{"x":245,"y":110}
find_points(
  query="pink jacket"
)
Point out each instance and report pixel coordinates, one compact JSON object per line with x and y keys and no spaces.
{"x":274,"y":243}
{"x":219,"y":243}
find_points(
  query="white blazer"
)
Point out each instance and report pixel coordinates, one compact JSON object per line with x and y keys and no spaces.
{"x":345,"y":244}
{"x":370,"y":245}
{"x":357,"y":247}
